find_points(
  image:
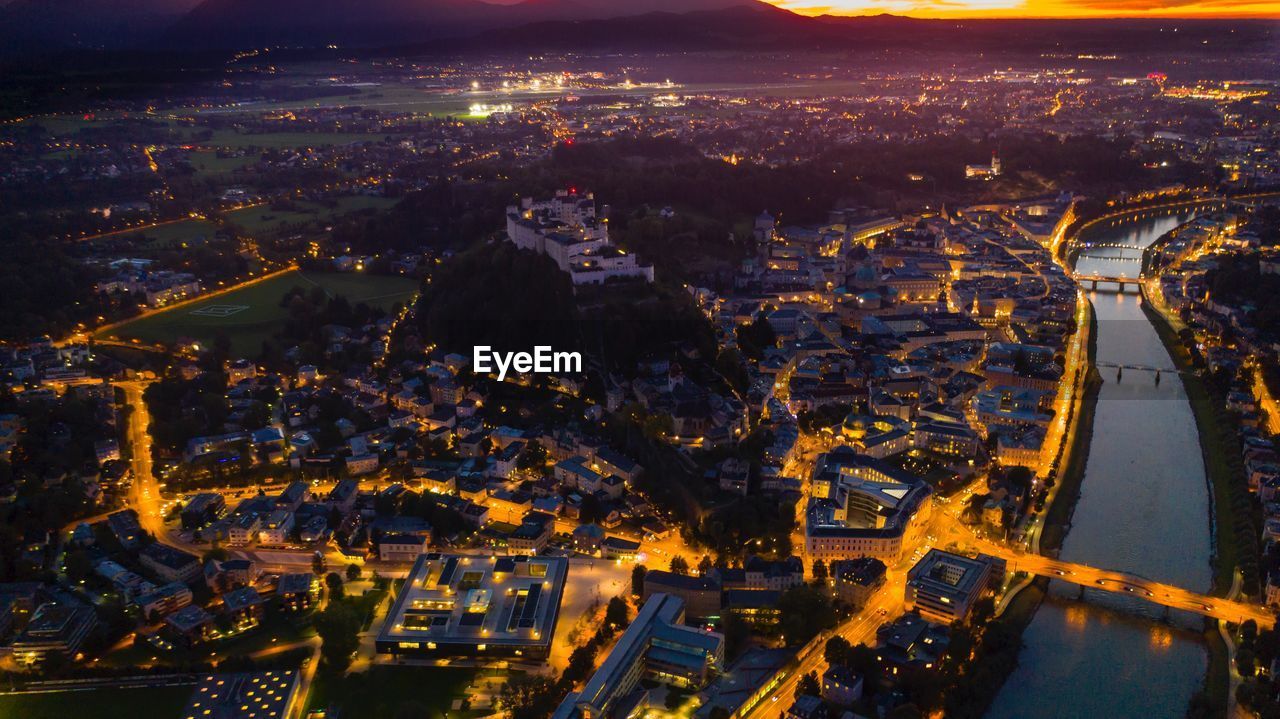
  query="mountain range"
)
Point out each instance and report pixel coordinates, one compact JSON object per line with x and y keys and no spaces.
{"x":30,"y":27}
{"x":50,"y":25}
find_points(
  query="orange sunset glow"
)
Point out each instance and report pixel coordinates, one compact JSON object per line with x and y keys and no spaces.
{"x":1036,"y":8}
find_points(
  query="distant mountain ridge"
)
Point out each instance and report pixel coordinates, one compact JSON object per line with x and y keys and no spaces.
{"x":247,"y":23}
{"x":760,"y":26}
{"x":744,"y":27}
{"x":465,"y":26}
{"x":44,"y":25}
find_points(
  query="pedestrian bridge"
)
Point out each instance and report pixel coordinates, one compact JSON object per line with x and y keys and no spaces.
{"x":1120,"y":368}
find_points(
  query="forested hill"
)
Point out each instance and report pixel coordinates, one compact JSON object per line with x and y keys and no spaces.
{"x":512,"y":300}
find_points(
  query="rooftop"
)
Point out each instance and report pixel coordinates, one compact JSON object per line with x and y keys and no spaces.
{"x":469,"y":601}
{"x":260,"y":695}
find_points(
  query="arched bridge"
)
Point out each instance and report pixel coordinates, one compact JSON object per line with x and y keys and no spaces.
{"x":1120,"y":281}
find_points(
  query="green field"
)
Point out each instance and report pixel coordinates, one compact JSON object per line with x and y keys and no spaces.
{"x":264,"y":219}
{"x":252,"y":314}
{"x":278,"y":140}
{"x":171,"y":234}
{"x":208,"y":164}
{"x":390,"y":98}
{"x":149,"y":703}
{"x":64,"y":124}
{"x":382,"y":690}
{"x":189,"y":231}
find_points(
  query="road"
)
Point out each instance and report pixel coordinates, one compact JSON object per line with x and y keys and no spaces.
{"x":1166,"y":595}
{"x":144,"y":492}
{"x":884,"y":606}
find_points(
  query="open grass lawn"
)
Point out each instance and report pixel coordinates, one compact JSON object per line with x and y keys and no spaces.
{"x":387,"y":97}
{"x":251,"y":314}
{"x":149,"y":703}
{"x":172,"y":234}
{"x":379,"y":692}
{"x":279,"y":140}
{"x":208,"y":164}
{"x":262,"y":218}
{"x":63,"y":124}
{"x":191,"y":232}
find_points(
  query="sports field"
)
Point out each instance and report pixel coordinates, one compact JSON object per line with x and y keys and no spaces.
{"x":251,"y":314}
{"x":384,"y":691}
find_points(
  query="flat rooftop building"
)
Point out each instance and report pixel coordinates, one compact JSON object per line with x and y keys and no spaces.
{"x":658,"y":646}
{"x":943,"y":586}
{"x":454,"y":605}
{"x":258,"y":695}
{"x":56,"y":628}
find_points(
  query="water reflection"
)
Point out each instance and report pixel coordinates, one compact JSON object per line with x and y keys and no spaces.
{"x":1143,"y":508}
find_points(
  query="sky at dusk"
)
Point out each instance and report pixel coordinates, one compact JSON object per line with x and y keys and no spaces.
{"x":1037,"y":8}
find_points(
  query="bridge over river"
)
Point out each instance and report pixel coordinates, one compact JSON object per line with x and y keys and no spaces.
{"x":1166,"y":595}
{"x":1121,"y":281}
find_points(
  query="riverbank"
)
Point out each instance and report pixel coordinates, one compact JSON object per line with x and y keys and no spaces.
{"x":993,"y":665}
{"x":1112,"y":439}
{"x":1228,"y":495}
{"x":1057,"y":515}
{"x":1232,"y":535}
{"x":997,"y":655}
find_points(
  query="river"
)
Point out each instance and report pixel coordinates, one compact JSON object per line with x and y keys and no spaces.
{"x":1143,"y":508}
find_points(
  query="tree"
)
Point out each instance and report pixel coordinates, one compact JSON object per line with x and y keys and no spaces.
{"x":805,"y":612}
{"x":353,"y":572}
{"x":679,"y":565}
{"x":334,"y":582}
{"x":906,"y":711}
{"x":616,"y":614}
{"x":412,"y":710}
{"x":1246,"y":662}
{"x":755,"y":338}
{"x":582,"y":661}
{"x":637,"y":580}
{"x":339,"y":629}
{"x":808,"y":684}
{"x":819,"y":570}
{"x":317,"y":563}
{"x":729,"y":363}
{"x":838,"y":650}
{"x":528,"y":696}
{"x":533,"y":457}
{"x":704,"y":565}
{"x":78,"y":565}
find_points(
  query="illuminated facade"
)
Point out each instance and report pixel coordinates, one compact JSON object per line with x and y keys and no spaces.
{"x":453,"y":605}
{"x":657,"y":646}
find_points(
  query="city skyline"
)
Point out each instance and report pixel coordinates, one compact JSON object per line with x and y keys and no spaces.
{"x":701,"y":362}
